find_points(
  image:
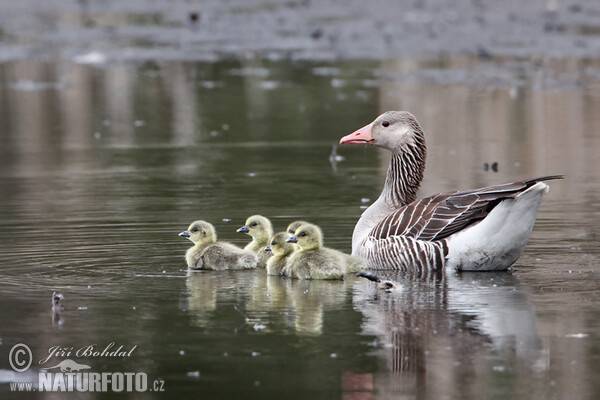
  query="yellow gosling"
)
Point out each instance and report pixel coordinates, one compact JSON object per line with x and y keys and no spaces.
{"x":291,"y":229}
{"x":207,"y":253}
{"x":313,"y":261}
{"x":261,"y":230}
{"x":282,"y":252}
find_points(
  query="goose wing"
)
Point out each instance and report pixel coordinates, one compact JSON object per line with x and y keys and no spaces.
{"x":441,"y":215}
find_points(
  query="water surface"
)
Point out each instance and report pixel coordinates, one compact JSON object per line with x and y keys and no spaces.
{"x":102,"y":166}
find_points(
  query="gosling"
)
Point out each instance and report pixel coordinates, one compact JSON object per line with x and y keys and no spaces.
{"x":291,"y":229}
{"x":261,"y":230}
{"x":207,"y":253}
{"x":313,"y":261}
{"x":281,"y":250}
{"x":352,"y":264}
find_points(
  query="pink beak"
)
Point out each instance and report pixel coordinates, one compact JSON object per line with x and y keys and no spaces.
{"x":361,"y":136}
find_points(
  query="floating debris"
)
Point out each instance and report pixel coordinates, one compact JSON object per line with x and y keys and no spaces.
{"x":365,"y":200}
{"x":269,"y":85}
{"x":259,"y":327}
{"x":493,"y":166}
{"x":26,"y":85}
{"x":57,"y":302}
{"x":333,"y":355}
{"x":139,"y":123}
{"x":181,"y":352}
{"x":255,"y":353}
{"x":82,"y":308}
{"x":260,"y":72}
{"x":226,"y":219}
{"x":194,"y":17}
{"x":193,"y":374}
{"x":338,"y":83}
{"x":334,"y":156}
{"x":577,"y":335}
{"x":211,"y":84}
{"x":326,"y":71}
{"x":91,"y":58}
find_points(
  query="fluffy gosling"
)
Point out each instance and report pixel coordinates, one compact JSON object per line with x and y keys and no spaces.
{"x":313,"y":261}
{"x":261,"y":230}
{"x":281,"y":250}
{"x":207,"y":253}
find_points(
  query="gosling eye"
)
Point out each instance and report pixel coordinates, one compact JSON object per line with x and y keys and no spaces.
{"x":385,"y":124}
{"x":253,"y":224}
{"x":302,"y":234}
{"x":291,"y":231}
{"x":194,"y":229}
{"x":273,"y":243}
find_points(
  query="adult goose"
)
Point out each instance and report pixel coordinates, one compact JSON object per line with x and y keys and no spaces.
{"x":476,"y":230}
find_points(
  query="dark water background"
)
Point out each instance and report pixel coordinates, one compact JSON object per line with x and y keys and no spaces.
{"x":102,"y":165}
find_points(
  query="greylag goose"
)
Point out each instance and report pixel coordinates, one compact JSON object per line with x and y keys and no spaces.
{"x":291,"y":229}
{"x":207,"y":253}
{"x":484,"y":229}
{"x":261,"y":230}
{"x":281,"y":250}
{"x":313,"y":261}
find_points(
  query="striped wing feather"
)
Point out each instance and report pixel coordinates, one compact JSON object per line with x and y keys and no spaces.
{"x":441,"y":215}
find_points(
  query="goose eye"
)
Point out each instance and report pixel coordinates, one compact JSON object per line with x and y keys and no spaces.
{"x":253,"y":224}
{"x":302,"y":234}
{"x":194,"y":229}
{"x":385,"y":124}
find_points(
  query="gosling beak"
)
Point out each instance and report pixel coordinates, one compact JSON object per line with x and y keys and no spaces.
{"x":361,"y":136}
{"x":244,"y":229}
{"x":268,"y":248}
{"x":185,"y":234}
{"x":292,"y":239}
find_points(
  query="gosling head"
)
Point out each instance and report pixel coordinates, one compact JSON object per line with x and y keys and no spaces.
{"x":291,"y":229}
{"x":397,"y":131}
{"x":308,"y":237}
{"x":279,"y":246}
{"x":258,"y":227}
{"x":200,"y":232}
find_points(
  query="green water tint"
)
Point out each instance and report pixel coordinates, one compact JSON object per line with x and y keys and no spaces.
{"x":98,"y":176}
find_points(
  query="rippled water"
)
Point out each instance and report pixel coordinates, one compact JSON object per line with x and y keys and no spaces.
{"x":101,"y":167}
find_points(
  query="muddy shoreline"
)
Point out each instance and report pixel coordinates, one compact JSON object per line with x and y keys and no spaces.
{"x":327,"y":30}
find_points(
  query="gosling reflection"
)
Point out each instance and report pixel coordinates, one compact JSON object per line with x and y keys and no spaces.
{"x":265,"y":303}
{"x":441,"y":327}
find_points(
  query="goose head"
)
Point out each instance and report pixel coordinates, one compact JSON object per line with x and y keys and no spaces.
{"x":291,"y":229}
{"x":396,"y":131}
{"x":308,"y":237}
{"x":279,"y":246}
{"x":258,"y":227}
{"x":200,"y":232}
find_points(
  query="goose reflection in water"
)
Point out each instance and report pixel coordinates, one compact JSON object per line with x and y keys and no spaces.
{"x":448,"y":327}
{"x":268,"y":303}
